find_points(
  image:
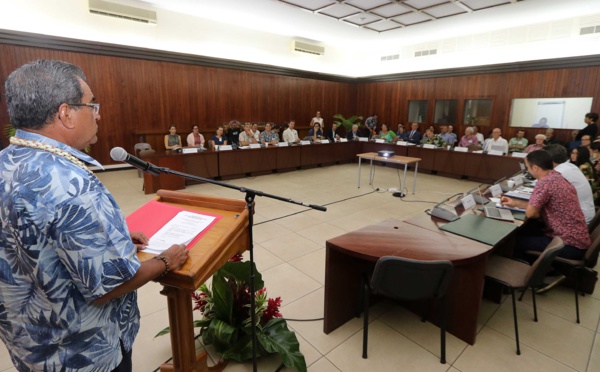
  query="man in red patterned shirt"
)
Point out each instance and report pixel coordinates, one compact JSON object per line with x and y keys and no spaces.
{"x":554,"y":202}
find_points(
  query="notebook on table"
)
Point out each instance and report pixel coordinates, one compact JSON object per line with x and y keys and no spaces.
{"x":480,"y":228}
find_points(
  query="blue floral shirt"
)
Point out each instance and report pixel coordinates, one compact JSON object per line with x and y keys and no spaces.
{"x":64,"y":242}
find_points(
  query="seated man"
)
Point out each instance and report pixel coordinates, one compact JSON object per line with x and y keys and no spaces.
{"x":247,"y":136}
{"x":413,"y":136}
{"x":268,"y":137}
{"x":233,"y":133}
{"x":447,"y":135}
{"x":554,"y":202}
{"x":550,"y":139}
{"x":469,"y":139}
{"x":290,"y":135}
{"x":538,"y":145}
{"x":518,"y":143}
{"x":573,"y":174}
{"x":497,"y":143}
{"x":353,"y":134}
{"x":432,"y":139}
{"x":331,"y":134}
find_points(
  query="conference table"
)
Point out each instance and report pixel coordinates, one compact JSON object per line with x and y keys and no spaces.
{"x":251,"y":162}
{"x":351,"y":258}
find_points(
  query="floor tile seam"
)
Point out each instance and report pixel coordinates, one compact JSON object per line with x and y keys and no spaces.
{"x":532,"y":348}
{"x":587,"y":365}
{"x":332,"y":363}
{"x":416,"y":343}
{"x":300,"y":298}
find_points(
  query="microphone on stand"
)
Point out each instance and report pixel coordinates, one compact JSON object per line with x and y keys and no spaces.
{"x":119,"y":154}
{"x":448,"y":214}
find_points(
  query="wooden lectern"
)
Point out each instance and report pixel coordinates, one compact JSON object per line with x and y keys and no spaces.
{"x":224,"y":239}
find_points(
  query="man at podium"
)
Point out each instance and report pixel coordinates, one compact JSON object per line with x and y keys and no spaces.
{"x":68,"y":264}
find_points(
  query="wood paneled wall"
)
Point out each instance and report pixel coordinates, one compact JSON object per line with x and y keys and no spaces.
{"x":390,"y":99}
{"x":145,"y":95}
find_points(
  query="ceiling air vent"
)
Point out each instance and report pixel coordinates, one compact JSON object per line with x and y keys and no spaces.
{"x":130,"y":13}
{"x":427,"y":52}
{"x":589,"y":30}
{"x":300,"y":46}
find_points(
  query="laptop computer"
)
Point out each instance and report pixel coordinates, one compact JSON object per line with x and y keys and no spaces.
{"x":499,"y":214}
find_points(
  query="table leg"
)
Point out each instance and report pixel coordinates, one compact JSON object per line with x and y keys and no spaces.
{"x":359,"y":162}
{"x":371,"y":173}
{"x":404,"y":179}
{"x":415,"y":178}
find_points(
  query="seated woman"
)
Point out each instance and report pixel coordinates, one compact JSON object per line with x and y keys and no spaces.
{"x":386,"y":134}
{"x":195,"y":139}
{"x":582,"y":160}
{"x":400,"y":134}
{"x":172,"y":140}
{"x":218,"y":139}
{"x":538,"y":145}
{"x":316,"y":133}
{"x":268,"y":137}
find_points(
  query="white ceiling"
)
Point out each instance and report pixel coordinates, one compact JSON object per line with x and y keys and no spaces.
{"x":275,"y":16}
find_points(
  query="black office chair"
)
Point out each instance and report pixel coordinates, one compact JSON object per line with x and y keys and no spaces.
{"x":405,"y":279}
{"x":519,"y":276}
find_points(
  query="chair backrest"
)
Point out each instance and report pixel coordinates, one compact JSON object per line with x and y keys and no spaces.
{"x":141,"y":146}
{"x":536,"y":274}
{"x":146,"y":152}
{"x":407,"y":279}
{"x":594,"y":222}
{"x":591,"y":255}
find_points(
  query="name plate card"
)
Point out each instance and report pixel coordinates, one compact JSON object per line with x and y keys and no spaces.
{"x":363,"y":139}
{"x":255,"y":145}
{"x":496,"y":190}
{"x":495,"y":152}
{"x":429,"y":146}
{"x":379,"y":140}
{"x":324,"y":141}
{"x":305,"y":142}
{"x":225,"y":147}
{"x":518,"y":181}
{"x":519,"y":154}
{"x":190,"y":150}
{"x":282,"y":144}
{"x":461,"y":149}
{"x":468,"y":202}
{"x":343,"y":139}
{"x":402,"y":143}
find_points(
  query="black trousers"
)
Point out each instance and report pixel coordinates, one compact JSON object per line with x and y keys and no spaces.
{"x":125,"y":365}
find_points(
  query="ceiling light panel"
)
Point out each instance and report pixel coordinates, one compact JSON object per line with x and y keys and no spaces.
{"x":311,"y":4}
{"x":412,"y":18}
{"x":362,"y":19}
{"x":340,"y":11}
{"x":391,"y":10}
{"x":368,"y":4}
{"x":444,"y":10}
{"x":482,"y":4}
{"x":383,"y":26}
{"x":423,"y":4}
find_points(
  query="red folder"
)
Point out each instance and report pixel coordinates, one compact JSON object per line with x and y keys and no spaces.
{"x":152,"y":216}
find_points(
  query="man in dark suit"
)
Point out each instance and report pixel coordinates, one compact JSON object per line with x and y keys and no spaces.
{"x":413,"y":136}
{"x":353,"y":134}
{"x":331,"y":134}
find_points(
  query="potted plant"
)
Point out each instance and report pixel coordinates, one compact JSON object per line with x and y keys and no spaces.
{"x":347,"y":123}
{"x":226,"y":319}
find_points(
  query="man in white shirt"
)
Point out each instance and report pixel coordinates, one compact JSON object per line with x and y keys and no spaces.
{"x":497,"y":143}
{"x":247,"y":136}
{"x":477,"y":134}
{"x":290,"y":135}
{"x":575,"y":177}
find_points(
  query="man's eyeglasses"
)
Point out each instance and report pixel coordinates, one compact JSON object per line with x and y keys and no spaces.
{"x":95,"y":106}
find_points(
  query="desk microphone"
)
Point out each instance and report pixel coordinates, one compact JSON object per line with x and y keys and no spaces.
{"x":119,"y":154}
{"x":445,"y":213}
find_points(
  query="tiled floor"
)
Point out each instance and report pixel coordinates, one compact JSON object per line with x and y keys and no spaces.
{"x":290,"y":253}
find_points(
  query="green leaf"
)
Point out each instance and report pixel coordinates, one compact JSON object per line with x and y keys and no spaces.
{"x":163,"y":332}
{"x":222,"y":298}
{"x":221,"y":335}
{"x":240,"y":271}
{"x":277,"y":338}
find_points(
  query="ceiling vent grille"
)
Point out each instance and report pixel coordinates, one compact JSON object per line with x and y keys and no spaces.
{"x":302,"y":47}
{"x":129,"y":13}
{"x":390,"y":57}
{"x":589,"y":30}
{"x":427,"y":52}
